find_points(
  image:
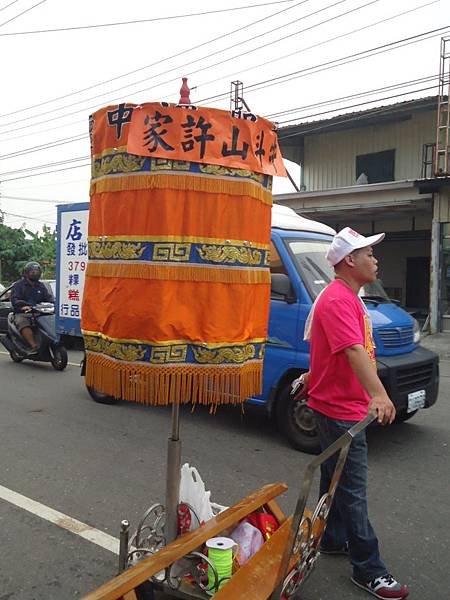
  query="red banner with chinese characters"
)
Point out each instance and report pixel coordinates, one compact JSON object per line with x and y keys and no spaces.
{"x":205,"y":135}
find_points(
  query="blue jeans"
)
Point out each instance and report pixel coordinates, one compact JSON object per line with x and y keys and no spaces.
{"x":348,"y":520}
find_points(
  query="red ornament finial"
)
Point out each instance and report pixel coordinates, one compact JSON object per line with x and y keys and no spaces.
{"x":184,"y":92}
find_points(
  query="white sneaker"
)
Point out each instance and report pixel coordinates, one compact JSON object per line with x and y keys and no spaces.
{"x":384,"y":587}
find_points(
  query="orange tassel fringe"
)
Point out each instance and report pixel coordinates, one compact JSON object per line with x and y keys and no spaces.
{"x":182,"y":384}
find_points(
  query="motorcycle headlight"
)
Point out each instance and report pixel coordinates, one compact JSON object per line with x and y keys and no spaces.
{"x":416,"y":331}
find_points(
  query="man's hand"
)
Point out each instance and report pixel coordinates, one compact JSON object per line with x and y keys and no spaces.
{"x":382,"y":406}
{"x":27,"y":309}
{"x":306,"y":377}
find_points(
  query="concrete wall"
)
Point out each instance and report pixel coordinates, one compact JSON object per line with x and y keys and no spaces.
{"x":330,"y":158}
{"x":392,"y":257}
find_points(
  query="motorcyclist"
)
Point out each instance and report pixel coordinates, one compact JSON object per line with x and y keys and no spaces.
{"x":26,"y":293}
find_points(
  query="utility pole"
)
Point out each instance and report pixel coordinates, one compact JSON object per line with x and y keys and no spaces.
{"x":237,"y":101}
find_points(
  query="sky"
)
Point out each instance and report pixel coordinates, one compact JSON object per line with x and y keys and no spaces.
{"x":288,"y":55}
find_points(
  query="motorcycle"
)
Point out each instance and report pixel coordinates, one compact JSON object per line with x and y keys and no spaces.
{"x":49,"y":349}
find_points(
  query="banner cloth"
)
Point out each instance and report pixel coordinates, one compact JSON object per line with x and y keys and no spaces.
{"x":177,"y":290}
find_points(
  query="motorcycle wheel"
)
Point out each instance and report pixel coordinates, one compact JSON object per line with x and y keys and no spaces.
{"x":59,"y":357}
{"x":15,"y":357}
{"x":100,"y":397}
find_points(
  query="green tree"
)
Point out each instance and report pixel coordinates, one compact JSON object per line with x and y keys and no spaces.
{"x":18,"y":246}
{"x":44,"y":249}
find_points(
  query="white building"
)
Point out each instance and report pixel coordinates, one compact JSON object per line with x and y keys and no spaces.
{"x":373,"y":171}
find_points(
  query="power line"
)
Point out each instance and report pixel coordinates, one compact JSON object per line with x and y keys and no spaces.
{"x":359,"y":104}
{"x":21,"y":188}
{"x":53,"y":164}
{"x":8,"y":5}
{"x":337,"y":62}
{"x":203,"y":68}
{"x":178,"y":67}
{"x":137,"y":21}
{"x":165,"y":59}
{"x":42,"y":200}
{"x":263,"y":46}
{"x":46,"y":172}
{"x":398,"y":85}
{"x":326,"y":65}
{"x":76,"y":159}
{"x":45,"y":146}
{"x":352,"y":96}
{"x":20,"y":14}
{"x":331,"y":64}
{"x":28,"y":217}
{"x":321,"y":43}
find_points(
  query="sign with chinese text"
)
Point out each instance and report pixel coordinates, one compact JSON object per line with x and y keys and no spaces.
{"x":72,"y":262}
{"x":205,"y":135}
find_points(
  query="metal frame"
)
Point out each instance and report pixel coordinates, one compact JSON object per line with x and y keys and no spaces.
{"x":302,"y":538}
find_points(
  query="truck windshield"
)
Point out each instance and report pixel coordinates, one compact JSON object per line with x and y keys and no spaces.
{"x":316,"y":273}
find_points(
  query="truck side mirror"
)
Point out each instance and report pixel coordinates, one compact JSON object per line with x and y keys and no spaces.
{"x":281,"y":288}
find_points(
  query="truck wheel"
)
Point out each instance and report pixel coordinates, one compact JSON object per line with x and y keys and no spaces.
{"x":296,"y":421}
{"x":100,"y":397}
{"x":404,"y":416}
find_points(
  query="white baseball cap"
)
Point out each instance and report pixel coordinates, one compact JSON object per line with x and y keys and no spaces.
{"x":346,"y":241}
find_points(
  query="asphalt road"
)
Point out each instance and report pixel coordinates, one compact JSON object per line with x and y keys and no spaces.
{"x":99,"y":464}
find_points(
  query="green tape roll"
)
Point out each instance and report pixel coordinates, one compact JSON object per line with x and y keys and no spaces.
{"x":220,"y":553}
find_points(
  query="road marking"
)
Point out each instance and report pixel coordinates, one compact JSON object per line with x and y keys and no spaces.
{"x":104,"y":540}
{"x":69,"y":363}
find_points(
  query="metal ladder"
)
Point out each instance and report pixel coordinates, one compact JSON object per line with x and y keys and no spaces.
{"x":442,"y":154}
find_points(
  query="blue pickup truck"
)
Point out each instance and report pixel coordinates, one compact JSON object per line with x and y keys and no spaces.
{"x":299,"y":271}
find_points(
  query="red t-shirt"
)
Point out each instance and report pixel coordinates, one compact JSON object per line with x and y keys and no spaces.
{"x":339,"y":321}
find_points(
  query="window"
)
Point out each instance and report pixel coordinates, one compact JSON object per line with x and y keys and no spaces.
{"x":276,"y":264}
{"x":377,"y":167}
{"x":276,"y":267}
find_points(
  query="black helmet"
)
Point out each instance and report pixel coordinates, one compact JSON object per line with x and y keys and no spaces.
{"x":33,"y":271}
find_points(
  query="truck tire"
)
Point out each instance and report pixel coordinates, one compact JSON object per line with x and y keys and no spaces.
{"x":100,"y":397}
{"x":296,"y":422}
{"x":404,"y":416}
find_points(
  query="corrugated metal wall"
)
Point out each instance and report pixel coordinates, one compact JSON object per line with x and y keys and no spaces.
{"x":330,"y":158}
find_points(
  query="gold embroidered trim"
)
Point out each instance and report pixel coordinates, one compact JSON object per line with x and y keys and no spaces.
{"x":187,"y":239}
{"x":117,"y":250}
{"x":229,"y":254}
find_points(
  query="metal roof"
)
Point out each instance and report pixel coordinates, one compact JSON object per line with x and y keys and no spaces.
{"x":399,"y":111}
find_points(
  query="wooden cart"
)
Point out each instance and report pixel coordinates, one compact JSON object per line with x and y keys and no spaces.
{"x":276,"y":571}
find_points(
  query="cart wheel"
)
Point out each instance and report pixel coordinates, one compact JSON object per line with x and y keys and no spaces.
{"x":100,"y":397}
{"x":296,"y":421}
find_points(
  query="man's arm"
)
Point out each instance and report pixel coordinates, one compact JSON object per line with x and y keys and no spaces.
{"x":368,"y":378}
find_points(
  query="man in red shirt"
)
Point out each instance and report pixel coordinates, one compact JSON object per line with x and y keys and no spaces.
{"x":343,"y":386}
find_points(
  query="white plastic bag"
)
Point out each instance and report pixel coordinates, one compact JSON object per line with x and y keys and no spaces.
{"x":194,"y":494}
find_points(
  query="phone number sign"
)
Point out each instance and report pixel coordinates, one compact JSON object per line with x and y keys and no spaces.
{"x":73,"y":262}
